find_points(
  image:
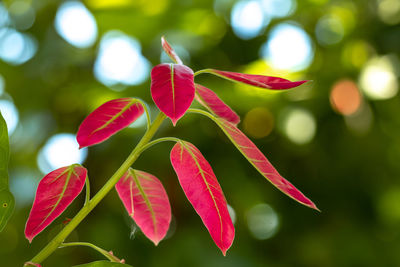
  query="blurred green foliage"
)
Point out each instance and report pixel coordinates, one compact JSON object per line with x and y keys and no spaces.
{"x":349,"y":168}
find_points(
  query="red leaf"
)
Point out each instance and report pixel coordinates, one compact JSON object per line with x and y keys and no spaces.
{"x":213,"y":103}
{"x":204,"y":192}
{"x":107,"y":120}
{"x":54,"y":194}
{"x":147,"y":203}
{"x":268,"y":82}
{"x":170,"y":52}
{"x":172,"y":89}
{"x":261,"y":163}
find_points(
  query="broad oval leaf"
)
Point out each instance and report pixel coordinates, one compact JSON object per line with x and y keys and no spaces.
{"x":107,"y":120}
{"x":147,"y":203}
{"x":203,"y":191}
{"x":54,"y":194}
{"x":103,"y":264}
{"x":261,"y":163}
{"x":215,"y":105}
{"x":172,"y":89}
{"x":170,"y":52}
{"x":267,"y":82}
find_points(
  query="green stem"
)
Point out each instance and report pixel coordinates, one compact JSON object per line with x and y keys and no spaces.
{"x":87,"y":189}
{"x":108,"y":186}
{"x":202,"y":112}
{"x":159,"y":140}
{"x":146,"y":110}
{"x":105,"y":253}
{"x":202,"y":71}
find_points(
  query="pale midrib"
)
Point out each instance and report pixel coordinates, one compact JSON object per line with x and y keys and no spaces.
{"x":60,"y":197}
{"x":173,"y":87}
{"x":206,"y":183}
{"x":147,"y":201}
{"x":113,"y":118}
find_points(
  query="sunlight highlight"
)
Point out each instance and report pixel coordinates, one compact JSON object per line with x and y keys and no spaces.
{"x":299,"y":126}
{"x":76,"y":24}
{"x":289,"y":48}
{"x":378,"y":79}
{"x":248,"y":19}
{"x":120,"y":61}
{"x":60,"y":150}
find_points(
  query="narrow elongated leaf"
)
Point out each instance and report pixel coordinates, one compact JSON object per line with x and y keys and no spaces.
{"x":170,"y":52}
{"x":203,"y":191}
{"x":147,"y":203}
{"x":54,"y":194}
{"x":172,"y":89}
{"x":267,"y":82}
{"x":261,"y":163}
{"x":107,"y":120}
{"x":214,"y":104}
{"x":103,"y":264}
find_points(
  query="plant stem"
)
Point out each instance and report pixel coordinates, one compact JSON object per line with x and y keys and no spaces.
{"x":105,"y":253}
{"x":108,"y":186}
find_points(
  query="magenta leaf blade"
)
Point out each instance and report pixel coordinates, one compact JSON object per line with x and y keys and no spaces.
{"x":261,"y":163}
{"x":215,"y":105}
{"x":203,"y":191}
{"x":267,"y":82}
{"x":146,"y":201}
{"x":107,"y":120}
{"x":172,"y":89}
{"x":170,"y":51}
{"x":54,"y":194}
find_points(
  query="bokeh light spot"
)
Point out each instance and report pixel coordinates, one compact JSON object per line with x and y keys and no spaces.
{"x":329,"y":30}
{"x":299,"y":126}
{"x":289,"y":47}
{"x":76,"y":24}
{"x":278,"y":8}
{"x":248,"y":19}
{"x":10,"y":114}
{"x":120,"y":61}
{"x":378,"y":79}
{"x":232,"y":213}
{"x":15,"y":47}
{"x":389,"y":11}
{"x":22,"y":14}
{"x":345,"y":97}
{"x":263,"y":222}
{"x":60,"y":150}
{"x":258,"y":122}
{"x":23,"y":185}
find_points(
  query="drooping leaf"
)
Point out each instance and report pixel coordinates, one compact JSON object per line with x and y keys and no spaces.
{"x":170,"y":52}
{"x":215,"y":105}
{"x":103,"y":264}
{"x":267,"y":82}
{"x":107,"y":120}
{"x":28,"y":263}
{"x":172,"y":89}
{"x":261,"y":163}
{"x":146,"y":202}
{"x":54,"y":194}
{"x":203,"y":191}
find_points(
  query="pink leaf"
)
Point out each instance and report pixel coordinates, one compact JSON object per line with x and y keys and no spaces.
{"x":268,"y":82}
{"x":204,"y":192}
{"x":213,"y":103}
{"x":107,"y":120}
{"x":172,"y":89}
{"x":261,"y":163}
{"x":147,"y":203}
{"x":170,"y":52}
{"x":54,"y":194}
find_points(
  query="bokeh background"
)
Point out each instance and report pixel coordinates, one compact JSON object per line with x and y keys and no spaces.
{"x":336,"y":138}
